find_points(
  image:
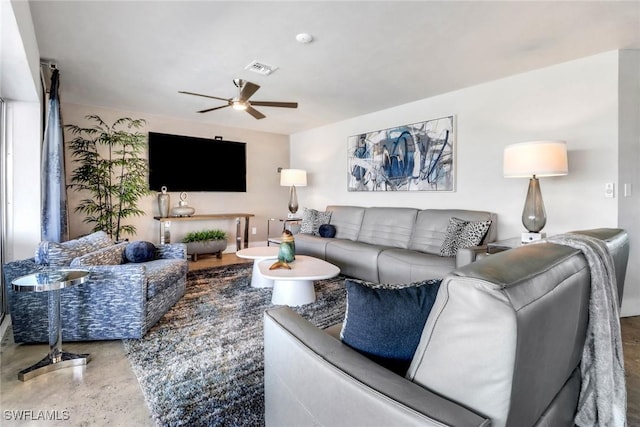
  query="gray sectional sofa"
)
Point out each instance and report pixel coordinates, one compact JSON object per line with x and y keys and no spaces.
{"x":501,"y":346}
{"x":391,"y":244}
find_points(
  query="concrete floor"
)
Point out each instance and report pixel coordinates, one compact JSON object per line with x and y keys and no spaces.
{"x":106,"y":391}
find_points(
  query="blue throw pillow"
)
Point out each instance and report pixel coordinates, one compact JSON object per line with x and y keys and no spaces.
{"x":140,"y":251}
{"x":385,"y":322}
{"x":327,"y":230}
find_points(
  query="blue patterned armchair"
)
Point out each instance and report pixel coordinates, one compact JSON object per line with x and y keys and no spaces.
{"x":119,"y":300}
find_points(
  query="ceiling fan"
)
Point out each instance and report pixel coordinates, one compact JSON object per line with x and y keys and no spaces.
{"x":241,"y":102}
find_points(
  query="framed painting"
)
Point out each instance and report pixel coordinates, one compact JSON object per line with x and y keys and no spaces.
{"x":416,"y":157}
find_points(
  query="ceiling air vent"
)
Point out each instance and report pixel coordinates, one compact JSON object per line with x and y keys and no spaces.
{"x":260,"y":68}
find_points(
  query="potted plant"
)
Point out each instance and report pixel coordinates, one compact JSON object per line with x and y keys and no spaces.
{"x":112,"y":170}
{"x":205,"y":242}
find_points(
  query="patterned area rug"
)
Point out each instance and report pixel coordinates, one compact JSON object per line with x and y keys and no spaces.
{"x":202,"y":364}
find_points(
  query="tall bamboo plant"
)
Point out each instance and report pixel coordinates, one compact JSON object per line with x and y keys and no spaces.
{"x":112,"y":171}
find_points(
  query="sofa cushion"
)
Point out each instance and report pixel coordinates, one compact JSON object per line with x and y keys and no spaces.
{"x":164,"y":273}
{"x":347,"y":220}
{"x":388,"y":226}
{"x":111,"y":255}
{"x":61,"y":254}
{"x":140,"y":251}
{"x":385,"y":322}
{"x":405,"y":266}
{"x":463,"y":234}
{"x":312,"y":220}
{"x":355,"y":259}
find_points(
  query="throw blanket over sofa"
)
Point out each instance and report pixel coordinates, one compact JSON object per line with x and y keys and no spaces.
{"x":393,"y":245}
{"x":501,"y":346}
{"x":121,"y":299}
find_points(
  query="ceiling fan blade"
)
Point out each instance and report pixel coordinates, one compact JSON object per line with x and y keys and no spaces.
{"x":205,"y":96}
{"x":255,"y":113}
{"x":248,"y":89}
{"x":214,"y":108}
{"x":275,"y":104}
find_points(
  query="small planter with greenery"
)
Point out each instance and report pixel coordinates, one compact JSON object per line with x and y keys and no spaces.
{"x":205,"y":242}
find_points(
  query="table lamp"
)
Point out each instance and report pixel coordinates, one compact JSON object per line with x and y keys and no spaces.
{"x":535,"y":159}
{"x":292,"y":178}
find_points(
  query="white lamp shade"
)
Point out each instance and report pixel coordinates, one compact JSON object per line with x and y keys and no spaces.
{"x":289,"y":177}
{"x":539,"y":158}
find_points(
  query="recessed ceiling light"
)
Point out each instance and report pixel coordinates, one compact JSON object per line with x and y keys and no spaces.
{"x":304,"y":38}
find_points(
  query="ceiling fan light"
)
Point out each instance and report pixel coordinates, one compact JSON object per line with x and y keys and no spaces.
{"x":239,"y":105}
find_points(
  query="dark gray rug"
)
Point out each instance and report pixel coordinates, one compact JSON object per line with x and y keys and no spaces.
{"x":202,"y":364}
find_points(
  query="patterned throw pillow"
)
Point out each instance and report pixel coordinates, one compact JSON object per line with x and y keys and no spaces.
{"x":472,"y":234}
{"x":449,"y":247}
{"x":463,"y":234}
{"x":312,"y":220}
{"x":385,"y":322}
{"x":111,"y":255}
{"x":61,"y":254}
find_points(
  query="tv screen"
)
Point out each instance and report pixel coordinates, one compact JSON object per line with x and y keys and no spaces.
{"x":185,"y":163}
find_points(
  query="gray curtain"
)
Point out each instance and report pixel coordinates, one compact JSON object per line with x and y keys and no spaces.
{"x":54,"y":195}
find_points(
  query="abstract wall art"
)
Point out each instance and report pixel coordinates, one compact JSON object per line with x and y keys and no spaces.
{"x":416,"y":157}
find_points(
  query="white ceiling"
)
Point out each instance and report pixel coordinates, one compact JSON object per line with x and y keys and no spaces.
{"x":365,"y":57}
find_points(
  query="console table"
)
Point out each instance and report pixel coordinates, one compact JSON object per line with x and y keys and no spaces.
{"x":165,"y":225}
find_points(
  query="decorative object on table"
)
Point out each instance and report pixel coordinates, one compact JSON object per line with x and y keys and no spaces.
{"x":112,"y":172}
{"x":415,"y":157}
{"x":205,"y":242}
{"x":292,"y":178}
{"x":163,"y":203}
{"x":533,"y":159}
{"x":183,"y":208}
{"x":286,"y":252}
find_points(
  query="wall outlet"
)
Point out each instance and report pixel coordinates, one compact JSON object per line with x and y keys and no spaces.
{"x":627,"y":190}
{"x":609,"y":190}
{"x":254,"y":230}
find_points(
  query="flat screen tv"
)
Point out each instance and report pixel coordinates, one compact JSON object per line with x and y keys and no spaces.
{"x":186,"y":163}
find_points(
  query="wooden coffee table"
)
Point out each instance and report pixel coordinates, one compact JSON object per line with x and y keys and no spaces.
{"x":295,"y":287}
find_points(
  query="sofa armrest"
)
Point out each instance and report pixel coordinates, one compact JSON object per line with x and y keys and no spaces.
{"x":311,"y":378}
{"x":171,"y":250}
{"x":466,"y":256}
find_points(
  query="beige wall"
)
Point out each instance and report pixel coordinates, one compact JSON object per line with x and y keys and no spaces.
{"x":264,"y":197}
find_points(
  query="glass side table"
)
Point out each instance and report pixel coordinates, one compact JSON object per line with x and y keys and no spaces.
{"x":52,"y":281}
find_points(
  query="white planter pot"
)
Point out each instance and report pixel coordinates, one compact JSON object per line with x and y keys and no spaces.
{"x":206,"y":247}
